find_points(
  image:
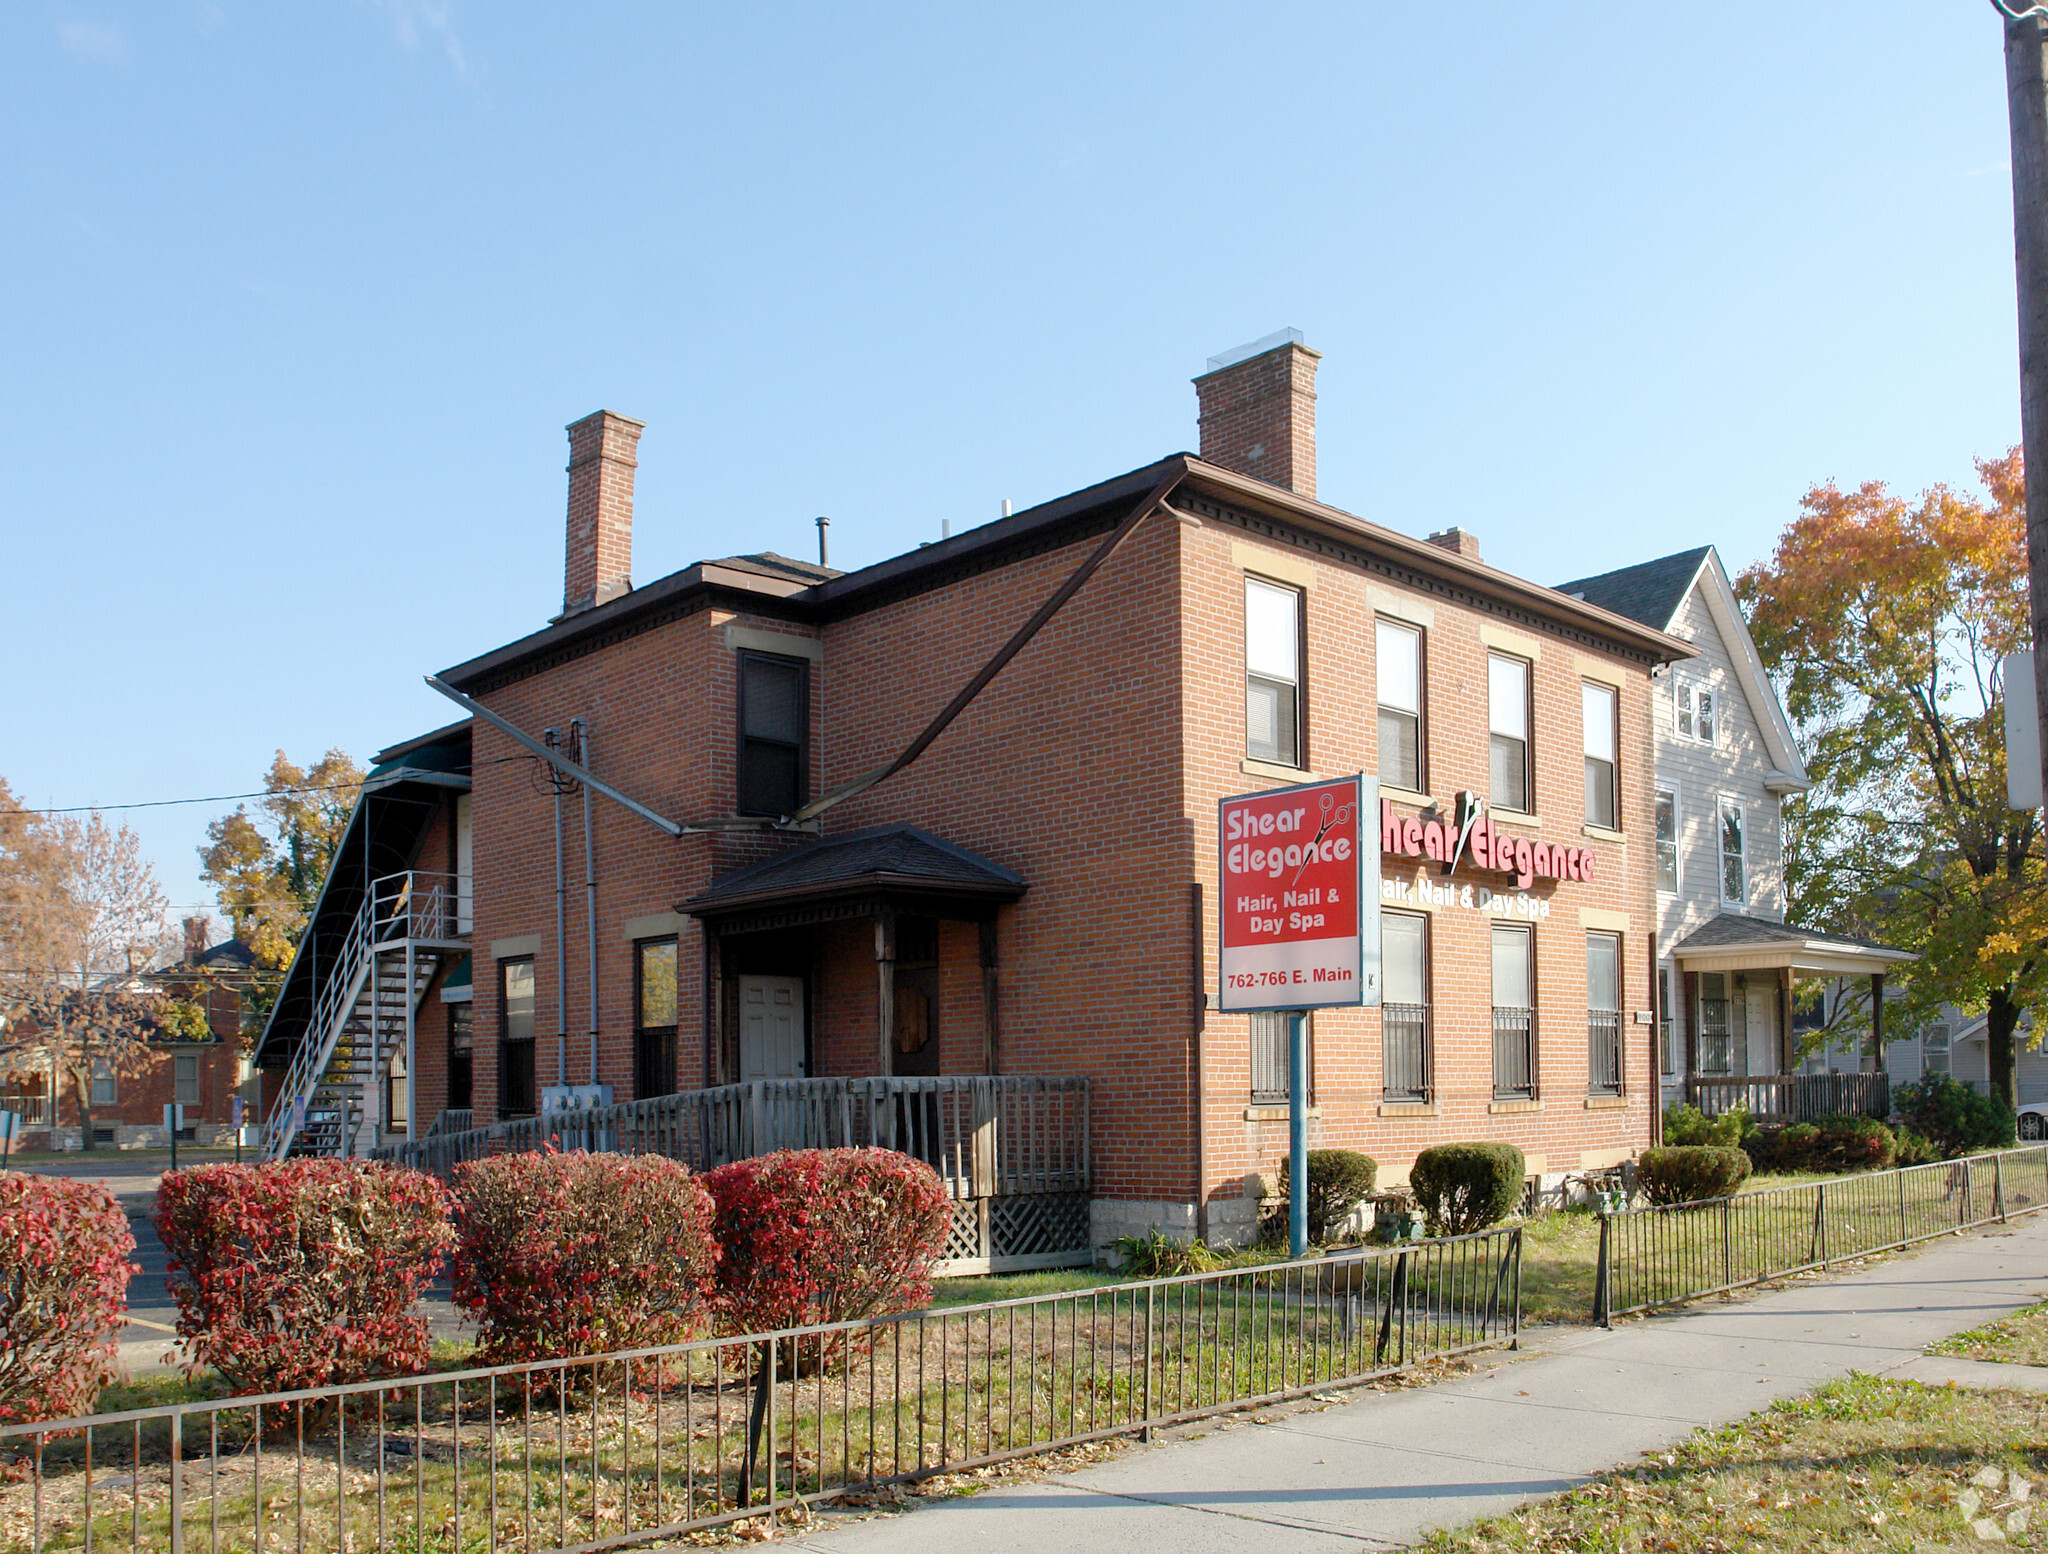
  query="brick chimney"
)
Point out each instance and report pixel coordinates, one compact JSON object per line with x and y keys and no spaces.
{"x":602,"y":459}
{"x":1463,"y":541}
{"x":196,"y":929}
{"x":1258,"y":411}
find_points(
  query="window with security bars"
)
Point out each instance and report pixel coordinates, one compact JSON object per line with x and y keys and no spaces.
{"x":1514,"y":1012}
{"x":1716,"y":1036}
{"x":1603,"y":1014}
{"x":1272,"y":673}
{"x":1269,"y":1057}
{"x":1404,"y":1010}
{"x":1397,"y":657}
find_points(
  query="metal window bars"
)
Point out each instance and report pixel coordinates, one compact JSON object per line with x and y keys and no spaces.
{"x":1514,"y":1053}
{"x":624,"y":1449}
{"x":1603,"y":1052}
{"x":1404,"y":1052}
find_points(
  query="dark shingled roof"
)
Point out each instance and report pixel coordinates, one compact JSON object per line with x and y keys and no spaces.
{"x":881,"y":857}
{"x":1650,"y":591}
{"x":1731,"y":928}
{"x":232,"y":952}
{"x":768,"y":564}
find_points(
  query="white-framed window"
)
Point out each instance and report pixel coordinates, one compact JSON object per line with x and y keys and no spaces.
{"x":1599,"y":706}
{"x":1693,"y":711}
{"x":1734,"y":858}
{"x":1667,"y":840}
{"x":106,"y":1089}
{"x":1405,"y":1057}
{"x":1272,"y":672}
{"x":1507,"y":722}
{"x":1934,"y":1048}
{"x":185,"y":1078}
{"x":1397,"y":660}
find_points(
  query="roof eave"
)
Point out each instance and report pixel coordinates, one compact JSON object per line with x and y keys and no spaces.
{"x":879,"y":882}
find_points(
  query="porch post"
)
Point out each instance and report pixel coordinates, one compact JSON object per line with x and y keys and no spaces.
{"x":1788,"y":1058}
{"x":990,"y":1053}
{"x":714,"y":1009}
{"x":1877,"y":1058}
{"x":1689,"y":993}
{"x":885,"y":992}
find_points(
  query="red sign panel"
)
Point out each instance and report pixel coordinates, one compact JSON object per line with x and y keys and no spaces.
{"x":1300,"y":897}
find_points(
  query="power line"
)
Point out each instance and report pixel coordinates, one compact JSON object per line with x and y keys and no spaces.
{"x":228,"y":798}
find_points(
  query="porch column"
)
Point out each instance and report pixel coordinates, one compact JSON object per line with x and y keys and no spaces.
{"x":1877,"y":1058}
{"x":990,"y":1055}
{"x":1689,"y":992}
{"x":885,"y":992}
{"x":1789,"y":1062}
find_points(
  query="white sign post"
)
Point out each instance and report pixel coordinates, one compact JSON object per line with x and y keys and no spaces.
{"x":2022,"y":733}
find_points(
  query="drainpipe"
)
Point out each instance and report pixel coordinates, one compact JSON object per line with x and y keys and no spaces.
{"x":579,"y":735}
{"x":554,"y":738}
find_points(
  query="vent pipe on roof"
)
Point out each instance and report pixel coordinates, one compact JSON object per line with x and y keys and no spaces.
{"x":824,"y":558}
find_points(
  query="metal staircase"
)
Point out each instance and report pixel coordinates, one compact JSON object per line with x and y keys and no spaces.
{"x":366,"y":1000}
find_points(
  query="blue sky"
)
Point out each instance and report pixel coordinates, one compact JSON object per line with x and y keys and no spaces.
{"x":299,"y":298}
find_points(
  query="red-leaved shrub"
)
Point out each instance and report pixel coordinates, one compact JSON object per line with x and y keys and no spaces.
{"x":825,"y":1235}
{"x":63,"y":1294}
{"x":302,"y":1273}
{"x":581,"y":1254}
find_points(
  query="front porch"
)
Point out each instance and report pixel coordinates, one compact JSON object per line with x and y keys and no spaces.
{"x":1734,"y":1003}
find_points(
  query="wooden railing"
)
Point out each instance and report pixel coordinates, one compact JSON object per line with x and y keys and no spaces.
{"x":986,"y":1136}
{"x":1793,"y":1097}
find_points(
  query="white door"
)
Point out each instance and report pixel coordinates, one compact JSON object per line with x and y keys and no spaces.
{"x":771,"y":1028}
{"x":1764,"y":1056}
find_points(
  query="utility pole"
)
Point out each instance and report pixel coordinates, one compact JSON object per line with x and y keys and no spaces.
{"x":2026,"y":97}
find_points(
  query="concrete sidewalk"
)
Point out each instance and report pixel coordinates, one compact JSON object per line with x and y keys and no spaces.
{"x":1386,"y":1468}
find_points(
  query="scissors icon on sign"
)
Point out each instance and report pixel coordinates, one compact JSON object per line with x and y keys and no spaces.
{"x":1334,"y":814}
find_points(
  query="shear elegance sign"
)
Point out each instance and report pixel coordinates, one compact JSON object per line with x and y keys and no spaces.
{"x":1300,"y":897}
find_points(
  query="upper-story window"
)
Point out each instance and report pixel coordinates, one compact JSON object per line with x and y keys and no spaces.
{"x":1934,"y":1049}
{"x":1507,"y":721}
{"x":1667,"y":839}
{"x":1603,"y":791}
{"x":774,"y":728}
{"x":1734,"y":857}
{"x":1693,"y":711}
{"x":1397,"y":655}
{"x":1272,"y":673}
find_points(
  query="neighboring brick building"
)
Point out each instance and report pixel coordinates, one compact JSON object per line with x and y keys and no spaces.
{"x":127,"y":1110}
{"x":1035,"y":893}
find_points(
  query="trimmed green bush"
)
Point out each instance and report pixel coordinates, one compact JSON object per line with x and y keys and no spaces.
{"x":1466,"y":1187}
{"x":1952,"y":1116}
{"x":1784,"y":1149}
{"x":1685,"y":1126}
{"x":1338,"y":1182}
{"x":1690,"y":1173}
{"x":1847,"y":1143}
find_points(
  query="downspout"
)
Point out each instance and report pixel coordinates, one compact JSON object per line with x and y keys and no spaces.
{"x":1200,"y":1012}
{"x":553,"y":739}
{"x":579,"y":735}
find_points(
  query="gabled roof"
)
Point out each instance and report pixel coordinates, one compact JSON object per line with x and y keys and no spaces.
{"x":1654,"y":592}
{"x":879,"y":859}
{"x":768,"y":564}
{"x":1650,"y":591}
{"x":1731,"y":942}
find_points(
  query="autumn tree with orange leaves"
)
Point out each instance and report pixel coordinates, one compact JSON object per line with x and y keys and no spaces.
{"x":1883,"y":621}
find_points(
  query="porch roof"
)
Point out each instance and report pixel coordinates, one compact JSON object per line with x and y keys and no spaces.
{"x":882,"y":866}
{"x":1732,"y":942}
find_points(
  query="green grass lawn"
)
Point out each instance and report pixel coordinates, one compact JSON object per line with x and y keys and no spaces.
{"x":1864,"y":1463}
{"x":2020,"y":1339}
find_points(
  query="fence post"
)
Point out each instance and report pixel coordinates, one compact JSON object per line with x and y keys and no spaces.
{"x":177,"y":1483}
{"x":1820,"y":1214}
{"x":1603,"y":1289}
{"x":1963,"y":1198}
{"x":1728,"y":1248}
{"x":1516,"y":1341}
{"x":1145,"y":1434}
{"x":1998,"y":1187}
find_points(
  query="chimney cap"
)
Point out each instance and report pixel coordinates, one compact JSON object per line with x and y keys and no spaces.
{"x":1259,"y":347}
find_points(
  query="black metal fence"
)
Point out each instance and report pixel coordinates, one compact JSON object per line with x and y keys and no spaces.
{"x":1660,"y":1255}
{"x":590,"y":1453}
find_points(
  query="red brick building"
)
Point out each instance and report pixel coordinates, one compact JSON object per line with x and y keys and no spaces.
{"x":1034,"y":892}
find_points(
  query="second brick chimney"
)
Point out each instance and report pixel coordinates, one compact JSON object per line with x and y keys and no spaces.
{"x":1258,"y":410}
{"x":602,"y":458}
{"x":1463,"y":541}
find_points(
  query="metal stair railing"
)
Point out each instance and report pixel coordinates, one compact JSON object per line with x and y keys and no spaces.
{"x":332,"y":1006}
